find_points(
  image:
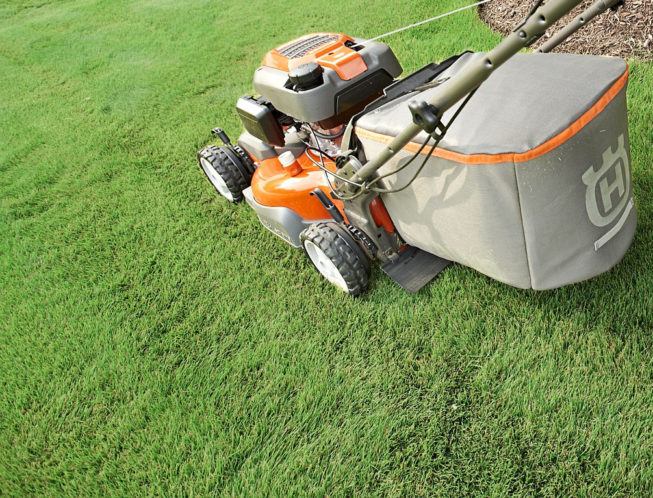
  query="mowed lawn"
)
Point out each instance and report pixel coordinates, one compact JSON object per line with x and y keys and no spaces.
{"x":155,"y":339}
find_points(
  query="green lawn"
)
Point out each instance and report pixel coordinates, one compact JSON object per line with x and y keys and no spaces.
{"x":156,"y":339}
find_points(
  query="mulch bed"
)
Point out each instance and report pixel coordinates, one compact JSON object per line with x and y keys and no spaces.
{"x":628,"y":32}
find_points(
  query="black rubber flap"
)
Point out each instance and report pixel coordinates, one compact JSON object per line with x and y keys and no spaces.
{"x":414,"y":268}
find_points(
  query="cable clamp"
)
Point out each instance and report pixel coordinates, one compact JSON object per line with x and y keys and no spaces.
{"x":426,"y":116}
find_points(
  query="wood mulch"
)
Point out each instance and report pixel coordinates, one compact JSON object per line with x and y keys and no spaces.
{"x":628,"y":32}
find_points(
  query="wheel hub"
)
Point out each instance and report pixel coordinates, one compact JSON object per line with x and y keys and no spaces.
{"x":215,"y":178}
{"x":325,"y":266}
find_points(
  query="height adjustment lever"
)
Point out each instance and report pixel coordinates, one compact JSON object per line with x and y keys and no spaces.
{"x":328,"y":205}
{"x":221,"y":135}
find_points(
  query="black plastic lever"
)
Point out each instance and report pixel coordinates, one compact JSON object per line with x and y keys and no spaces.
{"x":425,"y":116}
{"x":221,"y":135}
{"x":328,"y":205}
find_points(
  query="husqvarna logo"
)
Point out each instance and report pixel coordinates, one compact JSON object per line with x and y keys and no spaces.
{"x":608,"y":188}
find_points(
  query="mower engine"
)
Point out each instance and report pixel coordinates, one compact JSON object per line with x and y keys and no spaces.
{"x":309,"y":89}
{"x":324,"y":78}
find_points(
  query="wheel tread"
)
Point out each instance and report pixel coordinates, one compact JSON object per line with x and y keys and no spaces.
{"x":232,"y":176}
{"x":354,"y":269}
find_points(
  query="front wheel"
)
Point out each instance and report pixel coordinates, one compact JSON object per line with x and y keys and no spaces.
{"x":337,"y":256}
{"x":225,"y":170}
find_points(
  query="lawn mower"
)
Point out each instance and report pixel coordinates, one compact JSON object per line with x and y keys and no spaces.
{"x":517,"y":165}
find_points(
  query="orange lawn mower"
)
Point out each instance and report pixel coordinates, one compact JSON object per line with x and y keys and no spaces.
{"x":517,"y":165}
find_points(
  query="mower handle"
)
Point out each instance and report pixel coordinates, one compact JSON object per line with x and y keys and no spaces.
{"x":597,"y":8}
{"x":471,"y":76}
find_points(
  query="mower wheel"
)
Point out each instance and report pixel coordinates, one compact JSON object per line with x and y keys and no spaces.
{"x":225,"y":170}
{"x":337,"y":256}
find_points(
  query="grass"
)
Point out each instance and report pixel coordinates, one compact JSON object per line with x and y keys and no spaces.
{"x":156,"y":340}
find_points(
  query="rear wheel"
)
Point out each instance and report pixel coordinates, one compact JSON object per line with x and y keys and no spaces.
{"x":337,"y":256}
{"x":225,"y":170}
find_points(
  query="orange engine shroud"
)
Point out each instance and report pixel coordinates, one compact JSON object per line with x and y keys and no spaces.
{"x":328,"y":50}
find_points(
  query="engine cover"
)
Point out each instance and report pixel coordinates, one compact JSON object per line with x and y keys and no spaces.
{"x":350,"y":73}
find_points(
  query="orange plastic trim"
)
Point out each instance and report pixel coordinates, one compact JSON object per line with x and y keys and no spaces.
{"x":516,"y":157}
{"x":381,"y":216}
{"x":343,"y":60}
{"x":347,"y":63}
{"x":272,"y":186}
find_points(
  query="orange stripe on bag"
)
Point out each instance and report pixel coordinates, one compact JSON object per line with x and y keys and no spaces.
{"x":516,"y":157}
